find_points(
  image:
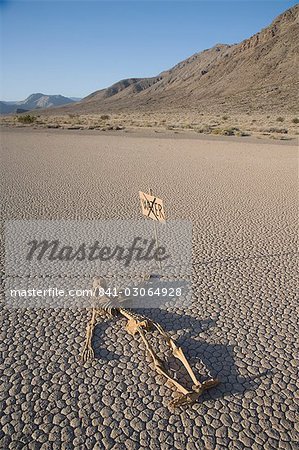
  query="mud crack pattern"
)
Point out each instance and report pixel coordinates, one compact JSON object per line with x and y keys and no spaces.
{"x":242,"y":321}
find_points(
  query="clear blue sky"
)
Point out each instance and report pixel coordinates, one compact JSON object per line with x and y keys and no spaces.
{"x":76,"y":47}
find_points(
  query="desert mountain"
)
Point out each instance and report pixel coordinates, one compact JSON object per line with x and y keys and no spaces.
{"x":34,"y":101}
{"x":7,"y":108}
{"x":259,"y":74}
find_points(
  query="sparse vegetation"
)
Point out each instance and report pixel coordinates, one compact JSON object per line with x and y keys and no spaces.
{"x":224,"y":117}
{"x":226,"y":131}
{"x":242,"y":133}
{"x":205,"y":129}
{"x":280,"y":119}
{"x":232,"y":131}
{"x":278,"y":130}
{"x":236,"y":125}
{"x":26,"y":119}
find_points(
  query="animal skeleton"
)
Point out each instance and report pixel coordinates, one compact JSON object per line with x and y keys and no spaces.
{"x":139,"y":324}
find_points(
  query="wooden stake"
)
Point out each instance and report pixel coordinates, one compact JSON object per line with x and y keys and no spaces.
{"x":156,"y":234}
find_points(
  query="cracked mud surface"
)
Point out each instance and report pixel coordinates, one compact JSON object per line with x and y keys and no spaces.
{"x":242,"y":323}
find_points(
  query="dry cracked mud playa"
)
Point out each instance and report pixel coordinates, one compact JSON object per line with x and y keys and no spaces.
{"x":242,"y":322}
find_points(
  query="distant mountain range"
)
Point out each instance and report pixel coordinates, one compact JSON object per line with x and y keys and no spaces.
{"x":35,"y":101}
{"x":259,"y":74}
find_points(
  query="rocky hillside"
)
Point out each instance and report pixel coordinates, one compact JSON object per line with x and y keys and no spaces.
{"x":259,"y":74}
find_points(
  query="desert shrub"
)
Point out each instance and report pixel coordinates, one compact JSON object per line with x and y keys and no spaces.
{"x":278,"y":130}
{"x":104,"y":117}
{"x":295,"y":120}
{"x":226,"y":131}
{"x":26,"y":119}
{"x":205,"y":129}
{"x":224,"y":117}
{"x":280,"y":119}
{"x":229,"y":131}
{"x":242,"y":133}
{"x":217,"y":131}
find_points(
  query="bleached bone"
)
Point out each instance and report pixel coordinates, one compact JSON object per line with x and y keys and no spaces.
{"x":139,"y":324}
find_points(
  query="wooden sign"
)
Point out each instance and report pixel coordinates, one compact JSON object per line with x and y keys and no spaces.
{"x":152,"y":207}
